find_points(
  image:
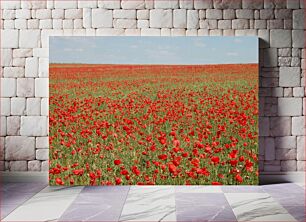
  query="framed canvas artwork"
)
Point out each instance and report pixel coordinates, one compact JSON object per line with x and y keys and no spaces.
{"x":153,"y":111}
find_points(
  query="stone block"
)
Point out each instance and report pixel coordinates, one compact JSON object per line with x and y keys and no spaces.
{"x":13,"y":125}
{"x":298,"y":38}
{"x":8,"y":87}
{"x":125,"y":23}
{"x":34,"y":126}
{"x":18,"y":165}
{"x":285,"y":142}
{"x":133,"y":4}
{"x":25,"y":87}
{"x":102,"y":18}
{"x":13,"y":72}
{"x":227,"y":4}
{"x":270,"y":57}
{"x":269,"y":148}
{"x":245,"y":14}
{"x":160,"y":18}
{"x":298,"y":126}
{"x":29,"y":38}
{"x":285,"y":154}
{"x":240,"y":24}
{"x":19,"y":148}
{"x":252,"y":4}
{"x":18,"y":106}
{"x":299,"y":19}
{"x":143,"y":14}
{"x":214,"y":14}
{"x":73,"y":13}
{"x":41,"y":87}
{"x":34,"y":165}
{"x":9,"y":38}
{"x":5,"y":108}
{"x":280,"y":38}
{"x":179,"y":18}
{"x":192,"y":19}
{"x":109,"y":4}
{"x":125,"y":14}
{"x":42,"y":154}
{"x":31,"y":67}
{"x":289,"y":106}
{"x":280,"y":126}
{"x":288,"y":165}
{"x":33,"y":107}
{"x":301,"y":148}
{"x":289,"y":76}
{"x":62,"y":4}
{"x":150,"y":32}
{"x":166,"y":4}
{"x":42,"y":142}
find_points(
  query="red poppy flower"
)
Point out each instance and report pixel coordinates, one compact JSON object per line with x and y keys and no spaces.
{"x":117,"y":162}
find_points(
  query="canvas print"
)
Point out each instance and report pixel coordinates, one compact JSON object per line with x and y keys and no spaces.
{"x":153,"y":111}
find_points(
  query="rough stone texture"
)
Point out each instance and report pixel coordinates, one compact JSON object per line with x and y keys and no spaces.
{"x":301,"y":148}
{"x":280,"y":38}
{"x":288,"y":154}
{"x":227,"y":4}
{"x":298,"y":38}
{"x":179,"y":18}
{"x":160,"y":18}
{"x":9,"y":38}
{"x":289,"y":76}
{"x":29,"y":38}
{"x":13,"y":125}
{"x":192,"y":19}
{"x":42,"y":142}
{"x":34,"y":165}
{"x":288,"y":165}
{"x":18,"y":106}
{"x":289,"y":106}
{"x":298,"y":126}
{"x":42,"y":154}
{"x":269,"y":148}
{"x":280,"y":126}
{"x":33,"y":126}
{"x":18,"y":166}
{"x":102,"y":18}
{"x":25,"y":87}
{"x":27,"y":25}
{"x":285,"y":142}
{"x":19,"y":148}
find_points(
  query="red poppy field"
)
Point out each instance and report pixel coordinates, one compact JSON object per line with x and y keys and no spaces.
{"x":153,"y":124}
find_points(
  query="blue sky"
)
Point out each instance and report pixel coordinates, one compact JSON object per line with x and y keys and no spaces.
{"x":154,"y":50}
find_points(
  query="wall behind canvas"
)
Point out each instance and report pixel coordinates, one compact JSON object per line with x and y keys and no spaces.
{"x":26,"y":26}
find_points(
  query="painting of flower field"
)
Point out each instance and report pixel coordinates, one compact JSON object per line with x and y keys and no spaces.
{"x":124,"y":116}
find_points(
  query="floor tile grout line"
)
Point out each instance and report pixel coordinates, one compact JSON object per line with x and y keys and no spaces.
{"x":70,"y":203}
{"x":19,"y":205}
{"x":229,"y":204}
{"x":4,"y":219}
{"x":124,"y":203}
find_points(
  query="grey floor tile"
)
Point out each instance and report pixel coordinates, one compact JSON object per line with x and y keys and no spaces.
{"x":298,"y":212}
{"x":203,"y":207}
{"x":291,"y":199}
{"x":97,"y":204}
{"x":283,"y":188}
{"x":242,"y":189}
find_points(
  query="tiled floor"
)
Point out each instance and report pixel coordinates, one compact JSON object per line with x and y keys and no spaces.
{"x":39,"y":202}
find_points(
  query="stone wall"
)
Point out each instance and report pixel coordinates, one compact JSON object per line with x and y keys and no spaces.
{"x":26,"y":26}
